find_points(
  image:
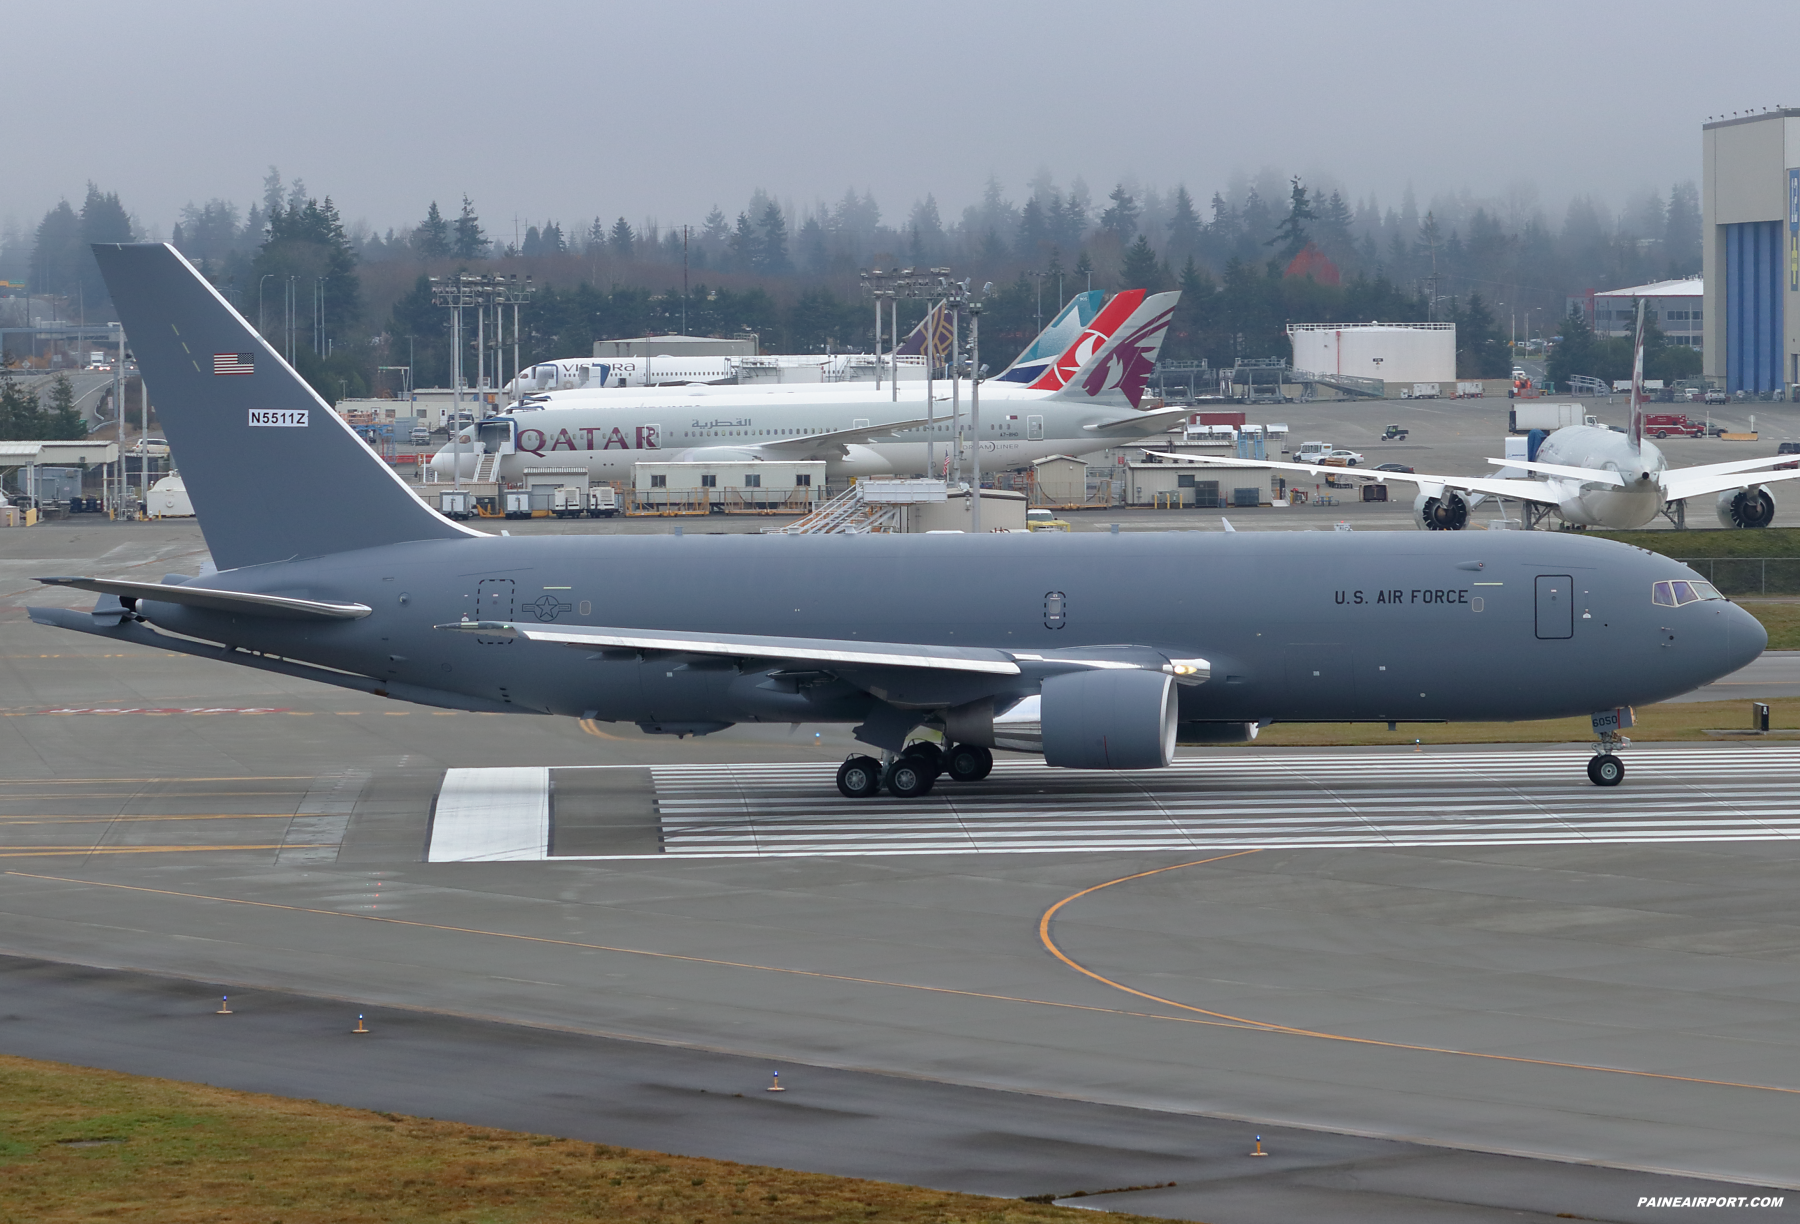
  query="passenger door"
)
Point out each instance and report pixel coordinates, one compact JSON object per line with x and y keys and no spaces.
{"x":494,"y":601}
{"x":1555,"y":606}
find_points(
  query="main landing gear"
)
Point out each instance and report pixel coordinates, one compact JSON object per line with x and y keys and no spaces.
{"x":913,"y":772}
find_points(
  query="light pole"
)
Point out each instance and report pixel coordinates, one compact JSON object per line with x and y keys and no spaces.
{"x":975,"y":402}
{"x":259,"y":303}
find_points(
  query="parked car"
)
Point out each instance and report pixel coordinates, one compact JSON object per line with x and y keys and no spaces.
{"x":1715,"y":396}
{"x":154,"y":447}
{"x":1044,"y":520}
{"x":1392,"y":467}
{"x":420,"y":435}
{"x":1347,"y":458}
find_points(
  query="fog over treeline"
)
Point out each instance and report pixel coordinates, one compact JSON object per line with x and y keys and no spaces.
{"x":789,"y":269}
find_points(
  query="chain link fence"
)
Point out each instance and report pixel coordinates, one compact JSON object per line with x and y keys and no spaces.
{"x":1748,"y":575}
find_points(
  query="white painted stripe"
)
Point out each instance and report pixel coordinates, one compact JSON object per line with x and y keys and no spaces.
{"x":489,"y":815}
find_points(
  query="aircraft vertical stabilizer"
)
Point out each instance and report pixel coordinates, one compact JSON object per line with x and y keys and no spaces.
{"x":273,"y":472}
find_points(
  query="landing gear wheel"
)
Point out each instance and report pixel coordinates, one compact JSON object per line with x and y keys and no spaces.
{"x":1606,"y":770}
{"x":859,"y":777}
{"x":909,"y":778}
{"x":968,"y":763}
{"x":927,"y":754}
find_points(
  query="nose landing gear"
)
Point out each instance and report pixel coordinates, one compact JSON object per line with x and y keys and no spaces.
{"x":1605,"y":769}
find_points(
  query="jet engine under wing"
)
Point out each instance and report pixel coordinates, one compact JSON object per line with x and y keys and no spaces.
{"x":821,"y":444}
{"x":1494,"y":486}
{"x":1698,"y":482}
{"x":281,"y":606}
{"x":815,"y":651}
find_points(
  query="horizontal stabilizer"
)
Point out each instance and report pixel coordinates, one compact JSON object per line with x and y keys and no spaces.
{"x":280,"y":606}
{"x":1594,"y":475}
{"x":1137,"y":424}
{"x":826,"y":651}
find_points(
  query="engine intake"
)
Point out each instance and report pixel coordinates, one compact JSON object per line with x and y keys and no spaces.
{"x":1111,"y":719}
{"x":1746,"y":508}
{"x":1446,"y":511}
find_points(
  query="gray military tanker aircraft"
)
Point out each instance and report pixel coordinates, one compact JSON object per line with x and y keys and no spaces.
{"x":1099,"y":651}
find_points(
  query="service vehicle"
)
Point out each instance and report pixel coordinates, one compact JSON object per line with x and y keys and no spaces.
{"x":1348,"y":458}
{"x":1393,"y":433}
{"x":1392,"y":467}
{"x":1421,"y":390}
{"x":1660,"y":425}
{"x":570,"y":501}
{"x":1716,"y":396}
{"x":603,"y":501}
{"x":1044,"y":520}
{"x":1523,"y":418}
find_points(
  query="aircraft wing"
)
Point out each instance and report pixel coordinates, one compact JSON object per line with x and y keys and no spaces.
{"x":814,"y":651}
{"x":1698,"y":482}
{"x":833,"y":443}
{"x":281,"y":606}
{"x":1493,"y":486}
{"x":1735,"y":465}
{"x":1137,"y":424}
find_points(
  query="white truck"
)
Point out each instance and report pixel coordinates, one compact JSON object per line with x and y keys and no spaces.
{"x":1422,"y":391}
{"x":1526,"y":417}
{"x":1470,"y":390}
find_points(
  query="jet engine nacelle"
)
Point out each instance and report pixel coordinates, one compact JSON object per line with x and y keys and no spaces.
{"x":1746,"y":508}
{"x":1445,"y":510}
{"x":1109,"y":719}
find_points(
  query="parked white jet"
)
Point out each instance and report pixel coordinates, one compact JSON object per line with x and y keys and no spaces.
{"x":1586,"y":475}
{"x":854,"y":436}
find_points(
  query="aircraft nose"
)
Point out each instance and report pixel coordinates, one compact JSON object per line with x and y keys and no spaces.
{"x":1745,"y":638}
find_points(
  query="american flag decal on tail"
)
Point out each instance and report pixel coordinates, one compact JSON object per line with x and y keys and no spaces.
{"x":234,"y":363}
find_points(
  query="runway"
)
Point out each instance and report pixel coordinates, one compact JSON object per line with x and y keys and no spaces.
{"x":1224,"y":800}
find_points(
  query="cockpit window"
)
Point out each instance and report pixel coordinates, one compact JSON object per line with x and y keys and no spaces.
{"x":1674,"y":594}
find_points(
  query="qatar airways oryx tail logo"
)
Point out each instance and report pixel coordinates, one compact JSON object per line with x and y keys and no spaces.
{"x":1092,"y":338}
{"x":1130,"y":362}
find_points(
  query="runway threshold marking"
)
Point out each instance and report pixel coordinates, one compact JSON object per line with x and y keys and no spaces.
{"x":1242,"y":1022}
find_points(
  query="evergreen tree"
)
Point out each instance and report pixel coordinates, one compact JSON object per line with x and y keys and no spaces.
{"x":1579,"y":352}
{"x":21,"y":419}
{"x":1084,"y":272}
{"x":309,"y":244}
{"x":1140,"y":269}
{"x":56,"y":253}
{"x":272,"y":192}
{"x":746,"y":244}
{"x":550,"y":239}
{"x":774,"y":241}
{"x":1184,"y":226}
{"x":531,"y":247}
{"x":1121,"y":220}
{"x":1681,"y":235}
{"x":622,"y":240}
{"x":596,"y":235}
{"x":432,"y":239}
{"x":809,"y":245}
{"x":469,"y":241}
{"x":1481,"y":349}
{"x":63,"y":421}
{"x":1291,"y":236}
{"x":1034,"y":231}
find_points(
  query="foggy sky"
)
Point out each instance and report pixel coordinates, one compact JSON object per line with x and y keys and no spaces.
{"x":569,"y":110}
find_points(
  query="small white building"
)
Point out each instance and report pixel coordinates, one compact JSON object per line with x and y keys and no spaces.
{"x":1393,"y":352}
{"x":739,"y":484}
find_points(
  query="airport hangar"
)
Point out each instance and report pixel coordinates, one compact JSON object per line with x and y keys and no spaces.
{"x":1750,"y":251}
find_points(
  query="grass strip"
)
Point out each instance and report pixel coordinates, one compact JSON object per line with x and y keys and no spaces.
{"x":81,"y":1144}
